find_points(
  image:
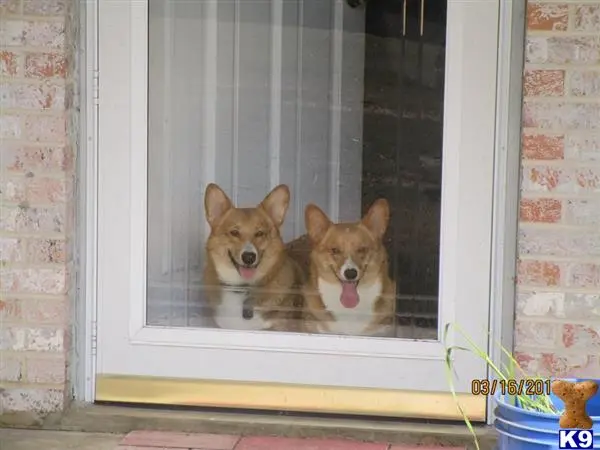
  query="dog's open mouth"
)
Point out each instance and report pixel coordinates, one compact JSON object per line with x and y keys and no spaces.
{"x":349,"y":297}
{"x":245,"y":271}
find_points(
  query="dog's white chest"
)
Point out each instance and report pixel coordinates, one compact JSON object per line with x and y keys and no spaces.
{"x":229,"y":313}
{"x":352,"y":321}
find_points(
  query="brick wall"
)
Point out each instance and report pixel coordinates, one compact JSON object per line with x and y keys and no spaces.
{"x":37,"y":98}
{"x":558,"y":305}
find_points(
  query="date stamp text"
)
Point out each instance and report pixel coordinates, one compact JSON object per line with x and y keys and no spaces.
{"x":510,"y":387}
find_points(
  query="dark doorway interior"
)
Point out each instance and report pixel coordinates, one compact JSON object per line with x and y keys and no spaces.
{"x":403,"y":113}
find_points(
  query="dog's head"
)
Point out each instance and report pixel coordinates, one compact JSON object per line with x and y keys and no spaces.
{"x":348,"y":252}
{"x":245,"y":243}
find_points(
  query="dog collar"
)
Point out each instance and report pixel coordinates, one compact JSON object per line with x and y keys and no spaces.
{"x":248,"y":305}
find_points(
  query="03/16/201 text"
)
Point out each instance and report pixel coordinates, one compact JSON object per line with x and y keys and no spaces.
{"x":510,"y":387}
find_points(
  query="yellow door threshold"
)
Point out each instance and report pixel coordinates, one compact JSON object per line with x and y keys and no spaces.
{"x":288,"y":397}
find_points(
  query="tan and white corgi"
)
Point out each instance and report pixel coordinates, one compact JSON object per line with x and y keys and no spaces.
{"x":251,"y":282}
{"x":349,"y":290}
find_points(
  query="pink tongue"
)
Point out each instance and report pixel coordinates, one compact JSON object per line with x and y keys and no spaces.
{"x":247,"y":272}
{"x":349,"y":297}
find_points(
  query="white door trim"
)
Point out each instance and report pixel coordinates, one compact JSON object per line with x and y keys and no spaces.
{"x":83,"y":350}
{"x":506,"y":211}
{"x":507,"y":166}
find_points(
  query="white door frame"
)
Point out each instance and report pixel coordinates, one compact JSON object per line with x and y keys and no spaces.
{"x":507,"y":165}
{"x":507,"y":181}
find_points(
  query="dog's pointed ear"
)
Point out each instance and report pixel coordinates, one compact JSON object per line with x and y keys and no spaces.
{"x":216,"y":203}
{"x":377,"y":218}
{"x":317,"y":223}
{"x":276,"y":204}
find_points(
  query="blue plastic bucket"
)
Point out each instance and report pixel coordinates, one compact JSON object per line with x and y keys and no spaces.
{"x":508,"y":441}
{"x":530,"y":432}
{"x":544,"y":421}
{"x":520,"y":429}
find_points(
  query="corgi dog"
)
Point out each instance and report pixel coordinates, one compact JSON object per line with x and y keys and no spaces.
{"x":250,"y":281}
{"x":348,"y":290}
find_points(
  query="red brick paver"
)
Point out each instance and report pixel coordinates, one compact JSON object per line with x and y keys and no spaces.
{"x":402,"y":447}
{"x":161,"y":439}
{"x":154,"y":440}
{"x":273,"y":443}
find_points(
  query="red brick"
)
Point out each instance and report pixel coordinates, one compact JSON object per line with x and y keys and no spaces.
{"x":46,"y":369}
{"x":545,"y":210}
{"x":557,"y":365}
{"x":545,"y":179}
{"x":33,"y":96}
{"x":11,"y":368}
{"x":34,"y":190}
{"x":47,"y":251}
{"x":549,"y":178}
{"x":45,"y":7}
{"x":570,"y":115}
{"x":270,"y":443}
{"x":34,"y":281}
{"x":28,"y":399}
{"x":421,"y":447}
{"x":24,"y":159}
{"x":544,"y":83}
{"x":542,"y":147}
{"x":582,"y":307}
{"x":525,"y":361}
{"x":10,"y":127}
{"x":580,"y":336}
{"x":544,"y":16}
{"x":583,"y":212}
{"x":39,"y":128}
{"x":9,"y":63}
{"x":180,"y":440}
{"x":535,"y":334}
{"x":43,"y":311}
{"x":12,"y":249}
{"x":587,"y":179}
{"x":137,"y":447}
{"x":585,"y":83}
{"x":10,"y":310}
{"x":45,"y":190}
{"x":45,"y":339}
{"x":583,"y":275}
{"x":13,"y":338}
{"x":583,"y":148}
{"x":539,"y":304}
{"x":9,"y":7}
{"x":13,"y":190}
{"x":558,"y":242}
{"x":45,"y":65}
{"x":587,"y":18}
{"x":25,"y":219}
{"x":556,"y":49}
{"x":538,"y":273}
{"x":47,"y":34}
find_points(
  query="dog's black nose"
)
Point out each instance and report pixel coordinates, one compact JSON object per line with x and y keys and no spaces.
{"x":350,"y":274}
{"x":248,"y":258}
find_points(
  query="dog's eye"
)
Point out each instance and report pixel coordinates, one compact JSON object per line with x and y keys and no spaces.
{"x":234,"y":233}
{"x":335,"y":251}
{"x":259,"y":234}
{"x":363,"y":250}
